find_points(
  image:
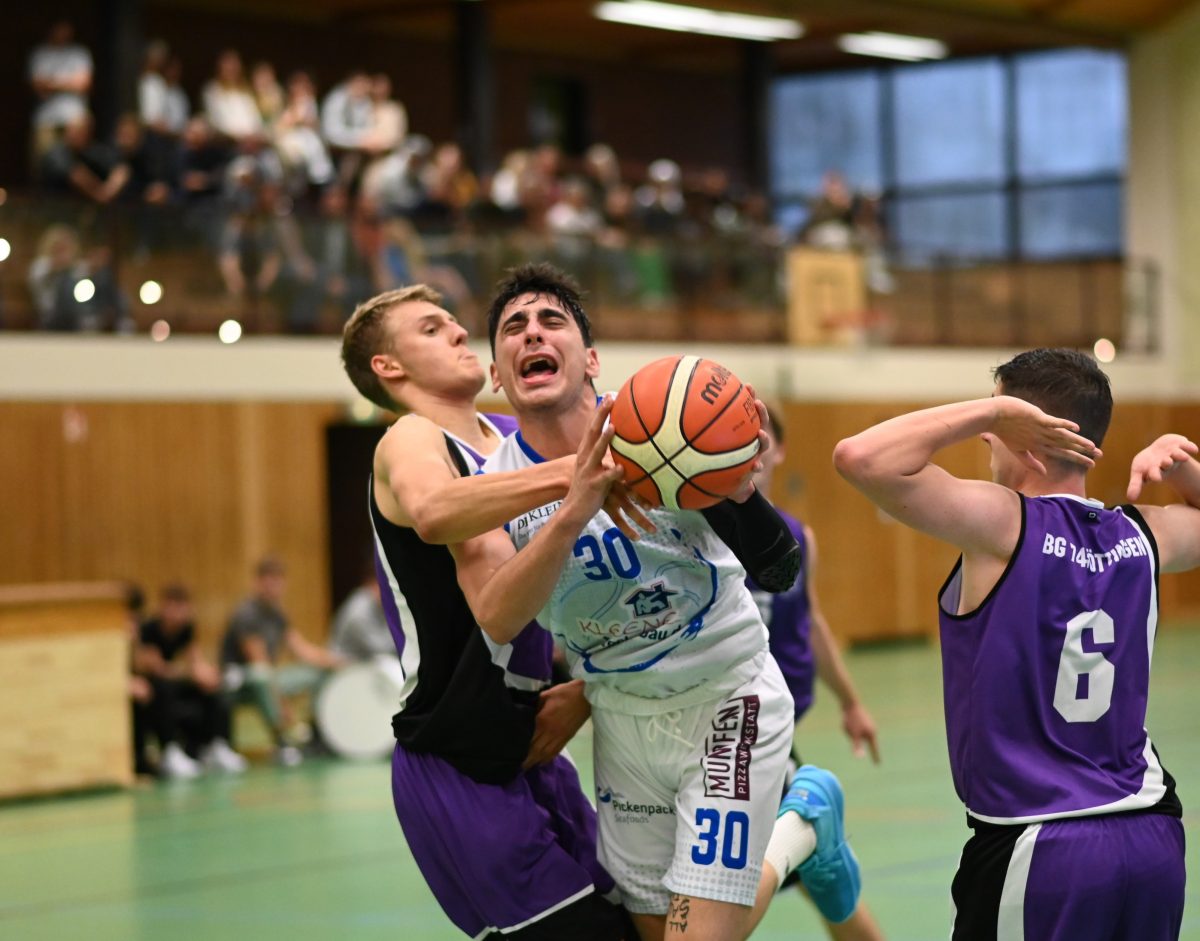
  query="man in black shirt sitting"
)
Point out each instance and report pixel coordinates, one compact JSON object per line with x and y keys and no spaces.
{"x":191,"y":713}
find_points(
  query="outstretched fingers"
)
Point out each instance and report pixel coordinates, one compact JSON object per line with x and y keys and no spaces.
{"x":623,"y":506}
{"x":1062,"y":440}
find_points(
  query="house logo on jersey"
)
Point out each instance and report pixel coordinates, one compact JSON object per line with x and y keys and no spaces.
{"x":726,"y":761}
{"x":627,"y":811}
{"x":650,"y":600}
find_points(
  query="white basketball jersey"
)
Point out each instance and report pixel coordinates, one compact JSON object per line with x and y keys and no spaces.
{"x":650,"y":619}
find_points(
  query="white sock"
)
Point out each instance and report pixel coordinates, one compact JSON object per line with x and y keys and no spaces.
{"x":793,"y":840}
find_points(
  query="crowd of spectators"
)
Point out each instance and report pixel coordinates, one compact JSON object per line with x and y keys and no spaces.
{"x":314,"y":199}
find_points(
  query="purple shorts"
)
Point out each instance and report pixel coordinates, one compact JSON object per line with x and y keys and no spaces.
{"x":1118,"y":877}
{"x":498,"y":857}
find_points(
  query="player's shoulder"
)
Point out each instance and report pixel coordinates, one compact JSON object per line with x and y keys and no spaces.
{"x":508,"y":456}
{"x":505,"y":424}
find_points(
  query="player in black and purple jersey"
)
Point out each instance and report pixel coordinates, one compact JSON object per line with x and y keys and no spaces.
{"x":493,"y":814}
{"x":1047,"y":626}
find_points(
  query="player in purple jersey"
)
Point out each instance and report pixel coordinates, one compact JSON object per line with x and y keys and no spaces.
{"x":1047,"y":626}
{"x":802,"y":643}
{"x":493,"y":814}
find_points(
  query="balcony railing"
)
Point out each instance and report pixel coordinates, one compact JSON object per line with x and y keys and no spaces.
{"x":169,"y":270}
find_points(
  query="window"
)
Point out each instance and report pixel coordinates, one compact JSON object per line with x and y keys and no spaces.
{"x":825,"y":122}
{"x":1071,"y":114}
{"x":949,"y":125}
{"x":1021,"y":157}
{"x":932,"y":228}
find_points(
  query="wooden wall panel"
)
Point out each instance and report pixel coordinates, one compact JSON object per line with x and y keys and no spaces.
{"x":160,"y":492}
{"x":155,"y":492}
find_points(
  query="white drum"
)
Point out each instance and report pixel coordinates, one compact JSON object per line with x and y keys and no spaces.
{"x":355,"y":706}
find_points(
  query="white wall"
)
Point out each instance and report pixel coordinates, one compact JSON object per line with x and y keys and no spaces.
{"x":36,"y":367}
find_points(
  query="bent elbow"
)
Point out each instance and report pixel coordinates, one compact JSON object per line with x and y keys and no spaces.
{"x":431,"y":527}
{"x":497,"y":630}
{"x":852,"y":459}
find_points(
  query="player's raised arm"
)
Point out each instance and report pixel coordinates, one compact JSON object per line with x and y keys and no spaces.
{"x":1176,"y":528}
{"x":753,"y":529}
{"x":417,"y":485}
{"x":505,"y":588}
{"x":890,"y":463}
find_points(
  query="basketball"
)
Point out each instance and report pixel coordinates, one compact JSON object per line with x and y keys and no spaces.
{"x":685,"y":431}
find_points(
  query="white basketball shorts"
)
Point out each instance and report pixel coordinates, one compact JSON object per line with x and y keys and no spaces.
{"x":687,"y":799}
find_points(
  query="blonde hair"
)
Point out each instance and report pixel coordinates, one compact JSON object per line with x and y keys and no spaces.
{"x":365,"y":336}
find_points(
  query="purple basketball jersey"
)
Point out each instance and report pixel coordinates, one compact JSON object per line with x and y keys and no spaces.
{"x":1046,"y":682}
{"x":789,"y":623}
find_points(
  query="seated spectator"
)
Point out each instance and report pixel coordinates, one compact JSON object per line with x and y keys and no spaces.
{"x":60,"y":72}
{"x":200,"y":170}
{"x":141,"y":693}
{"x":347,"y":119}
{"x":830,"y":222}
{"x":360,"y":629}
{"x":660,"y":202}
{"x":507,"y":185}
{"x":257,"y":234}
{"x":162,"y":108}
{"x":56,"y":277}
{"x":230,"y":106}
{"x":602,"y":171}
{"x":192,"y":718}
{"x":396,"y":182}
{"x":389,"y":119}
{"x":404,"y":260}
{"x":573,"y":222}
{"x":152,"y":90}
{"x":79,"y":164}
{"x":251,"y":652}
{"x":343,"y":273}
{"x":148,"y":179}
{"x":268,"y":93}
{"x":298,"y":138}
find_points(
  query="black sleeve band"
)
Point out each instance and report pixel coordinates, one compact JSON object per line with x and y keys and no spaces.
{"x":760,"y":539}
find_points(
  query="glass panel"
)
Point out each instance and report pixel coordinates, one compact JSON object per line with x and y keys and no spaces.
{"x":1071,"y":221}
{"x":950,"y":123}
{"x":1071,"y":113}
{"x":929,"y":228}
{"x":825,"y":122}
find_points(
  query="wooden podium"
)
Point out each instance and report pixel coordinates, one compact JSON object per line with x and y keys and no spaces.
{"x":827,"y":296}
{"x":64,"y":688}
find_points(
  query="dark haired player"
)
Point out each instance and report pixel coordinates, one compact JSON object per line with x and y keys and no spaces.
{"x":1047,"y":626}
{"x":692,"y":720}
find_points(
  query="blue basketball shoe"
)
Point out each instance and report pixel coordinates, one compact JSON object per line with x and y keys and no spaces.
{"x":831,"y":873}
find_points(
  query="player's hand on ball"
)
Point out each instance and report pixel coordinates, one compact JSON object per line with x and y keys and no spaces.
{"x":746,"y":489}
{"x":1155,"y":462}
{"x":595,"y":470}
{"x":627,"y":511}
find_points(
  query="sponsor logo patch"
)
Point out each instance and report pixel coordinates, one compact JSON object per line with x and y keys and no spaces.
{"x":727,"y":747}
{"x":630,"y":811}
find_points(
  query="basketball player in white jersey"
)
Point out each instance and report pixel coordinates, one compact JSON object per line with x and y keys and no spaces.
{"x":692,"y":718}
{"x":1048,"y":622}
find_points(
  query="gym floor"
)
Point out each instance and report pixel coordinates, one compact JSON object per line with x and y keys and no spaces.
{"x":315,"y":852}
